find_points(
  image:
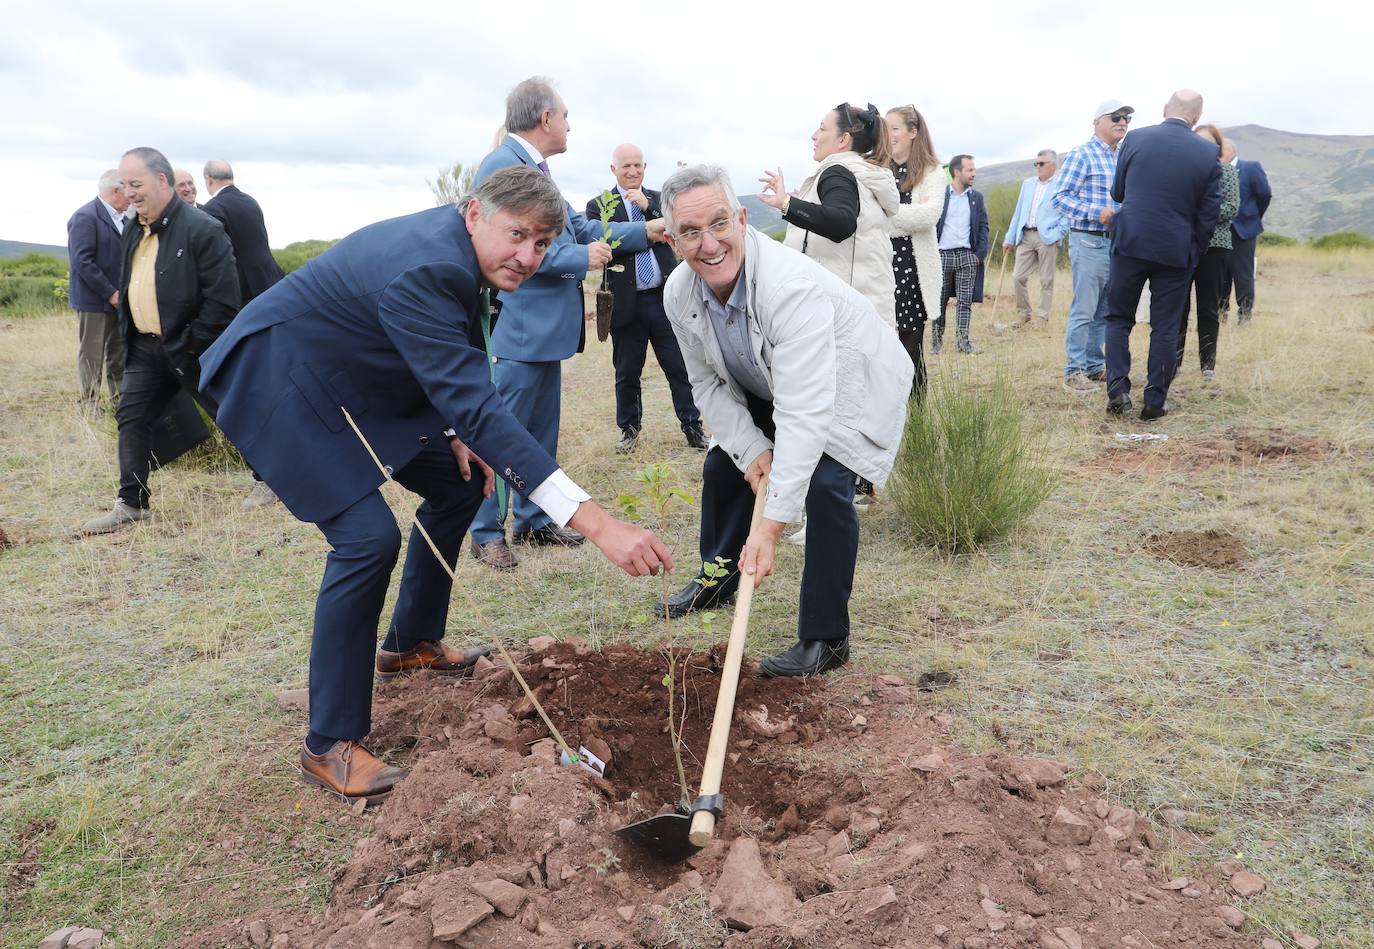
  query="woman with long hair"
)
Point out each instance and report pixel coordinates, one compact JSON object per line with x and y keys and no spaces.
{"x":839,"y":215}
{"x":915,"y":252}
{"x":1213,"y":272}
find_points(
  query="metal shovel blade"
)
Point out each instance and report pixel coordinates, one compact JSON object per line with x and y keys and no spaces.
{"x":663,"y":837}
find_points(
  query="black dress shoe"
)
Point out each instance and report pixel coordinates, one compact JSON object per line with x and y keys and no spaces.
{"x":1148,"y":414}
{"x":694,"y":597}
{"x":810,"y":657}
{"x":1119,"y":405}
{"x":696,"y":438}
{"x":550,"y":535}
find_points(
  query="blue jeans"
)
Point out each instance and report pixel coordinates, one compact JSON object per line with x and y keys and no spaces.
{"x":1091,"y":257}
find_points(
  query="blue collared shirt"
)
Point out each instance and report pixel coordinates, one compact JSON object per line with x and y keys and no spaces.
{"x":731,"y":324}
{"x":957,"y":221}
{"x":117,"y":217}
{"x":1085,"y":184}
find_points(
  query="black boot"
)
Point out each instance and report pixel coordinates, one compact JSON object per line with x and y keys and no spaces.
{"x":694,"y":597}
{"x":809,"y":657}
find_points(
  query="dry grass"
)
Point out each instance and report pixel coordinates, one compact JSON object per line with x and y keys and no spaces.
{"x":140,"y":668}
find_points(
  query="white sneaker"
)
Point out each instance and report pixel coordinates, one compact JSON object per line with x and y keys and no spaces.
{"x":1209,"y":375}
{"x":259,"y":496}
{"x":799,"y":538}
{"x":861,"y":502}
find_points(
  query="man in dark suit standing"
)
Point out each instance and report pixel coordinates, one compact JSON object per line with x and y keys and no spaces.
{"x":93,"y":236}
{"x":638,"y":318}
{"x":387,"y":325}
{"x":1246,"y":227}
{"x":177,"y":293}
{"x":541,"y":324}
{"x":962,"y":233}
{"x":1168,"y":182}
{"x":243,"y":222}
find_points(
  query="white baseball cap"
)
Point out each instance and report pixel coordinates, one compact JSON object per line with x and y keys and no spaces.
{"x":1108,"y":106}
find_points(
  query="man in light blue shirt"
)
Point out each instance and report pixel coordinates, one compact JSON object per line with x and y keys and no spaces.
{"x":1033,"y":250}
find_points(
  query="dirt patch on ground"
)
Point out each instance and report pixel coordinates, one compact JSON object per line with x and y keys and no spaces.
{"x":850,"y":822}
{"x":1216,"y":549}
{"x":1237,"y":447}
{"x":5,"y":540}
{"x":24,"y":871}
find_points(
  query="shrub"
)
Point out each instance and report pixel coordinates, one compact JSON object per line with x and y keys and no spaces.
{"x":1343,"y":240}
{"x":293,"y":256}
{"x":968,"y":471}
{"x":34,"y":264}
{"x":1270,"y":239}
{"x":28,"y":296}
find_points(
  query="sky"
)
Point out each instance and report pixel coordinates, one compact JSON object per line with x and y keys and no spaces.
{"x":334,"y":116}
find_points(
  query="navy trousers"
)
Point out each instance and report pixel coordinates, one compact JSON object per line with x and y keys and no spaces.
{"x":1168,"y":301}
{"x":629,"y":346}
{"x":832,"y":532}
{"x":365,"y":543}
{"x":532,"y":392}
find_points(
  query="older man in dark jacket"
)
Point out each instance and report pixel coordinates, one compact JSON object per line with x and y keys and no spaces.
{"x":178,"y":291}
{"x":93,"y":241}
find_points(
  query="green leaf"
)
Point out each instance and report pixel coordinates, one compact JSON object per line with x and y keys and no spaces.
{"x":668,"y":681}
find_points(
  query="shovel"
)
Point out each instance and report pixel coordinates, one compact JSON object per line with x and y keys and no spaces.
{"x":675,"y":837}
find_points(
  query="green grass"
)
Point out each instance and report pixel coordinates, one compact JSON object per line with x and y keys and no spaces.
{"x":140,"y":669}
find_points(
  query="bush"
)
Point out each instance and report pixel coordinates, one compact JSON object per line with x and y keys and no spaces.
{"x":1343,"y":240}
{"x":1270,"y":239}
{"x":968,"y":471}
{"x":29,"y":296}
{"x":34,"y":264}
{"x":293,"y":256}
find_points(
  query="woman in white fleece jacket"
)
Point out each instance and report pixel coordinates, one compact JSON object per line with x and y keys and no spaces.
{"x":915,"y":253}
{"x":839,"y":216}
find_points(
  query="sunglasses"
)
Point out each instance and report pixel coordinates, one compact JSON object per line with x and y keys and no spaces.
{"x":1121,"y":117}
{"x":1042,"y":164}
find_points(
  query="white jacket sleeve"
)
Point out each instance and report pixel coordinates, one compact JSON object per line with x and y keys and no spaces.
{"x":927,"y":202}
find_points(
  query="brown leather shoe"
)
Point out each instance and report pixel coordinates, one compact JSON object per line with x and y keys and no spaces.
{"x":496,"y":555}
{"x":349,"y":771}
{"x":429,"y":654}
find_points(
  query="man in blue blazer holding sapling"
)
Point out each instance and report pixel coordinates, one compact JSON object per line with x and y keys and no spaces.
{"x":541,"y":324}
{"x":387,"y":325}
{"x":1168,"y":183}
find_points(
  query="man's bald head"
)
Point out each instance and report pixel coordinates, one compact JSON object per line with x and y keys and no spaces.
{"x":627,"y":164}
{"x":185,"y":185}
{"x":1184,"y":104}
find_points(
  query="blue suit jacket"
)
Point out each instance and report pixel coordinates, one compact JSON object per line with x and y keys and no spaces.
{"x":1254,"y":200}
{"x":1168,"y":182}
{"x":542,"y":321}
{"x":386,"y":324}
{"x":1021,"y":215}
{"x":977,"y":232}
{"x":94,"y":259}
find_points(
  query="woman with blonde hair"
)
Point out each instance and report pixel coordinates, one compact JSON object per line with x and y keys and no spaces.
{"x":839,"y":215}
{"x":915,"y":252}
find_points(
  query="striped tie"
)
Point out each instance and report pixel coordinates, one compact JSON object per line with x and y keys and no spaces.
{"x":646,"y":268}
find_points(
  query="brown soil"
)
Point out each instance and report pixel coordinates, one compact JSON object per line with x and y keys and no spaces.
{"x":5,"y":539}
{"x":1217,"y":549}
{"x":872,"y":829}
{"x":24,"y":871}
{"x":1241,"y":447}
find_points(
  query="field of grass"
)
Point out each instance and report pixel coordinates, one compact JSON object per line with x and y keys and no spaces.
{"x":147,"y":781}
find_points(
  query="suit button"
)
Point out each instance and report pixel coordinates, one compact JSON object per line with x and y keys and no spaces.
{"x":388,"y":470}
{"x":424,"y":439}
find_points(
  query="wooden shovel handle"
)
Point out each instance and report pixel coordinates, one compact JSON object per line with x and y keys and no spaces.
{"x":704,"y":822}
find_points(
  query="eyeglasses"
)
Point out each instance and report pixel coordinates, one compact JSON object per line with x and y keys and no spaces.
{"x":1121,"y":117}
{"x":1041,"y":164}
{"x":691,"y":237}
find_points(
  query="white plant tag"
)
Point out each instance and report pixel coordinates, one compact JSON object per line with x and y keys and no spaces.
{"x":589,"y":762}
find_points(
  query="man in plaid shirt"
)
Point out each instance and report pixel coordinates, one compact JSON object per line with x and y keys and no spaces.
{"x":1084,"y":198}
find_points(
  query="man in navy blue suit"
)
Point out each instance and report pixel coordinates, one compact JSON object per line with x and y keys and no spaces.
{"x":93,"y":242}
{"x":1168,"y":182}
{"x":542,"y":324}
{"x":637,"y":319}
{"x":387,"y":325}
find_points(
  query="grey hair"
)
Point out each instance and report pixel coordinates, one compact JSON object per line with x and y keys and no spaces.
{"x":156,"y":161}
{"x":1049,"y":153}
{"x":520,"y":190}
{"x":110,"y":180}
{"x":528,"y":102}
{"x":217,"y":169}
{"x":695,"y":176}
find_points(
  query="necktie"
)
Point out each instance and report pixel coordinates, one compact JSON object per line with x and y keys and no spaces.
{"x":544,"y":167}
{"x":484,"y":312}
{"x":646,"y":267}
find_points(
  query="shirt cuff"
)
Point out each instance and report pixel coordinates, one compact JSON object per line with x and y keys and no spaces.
{"x":559,"y":497}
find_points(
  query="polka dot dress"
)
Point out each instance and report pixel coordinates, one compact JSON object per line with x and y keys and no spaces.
{"x":911,"y":309}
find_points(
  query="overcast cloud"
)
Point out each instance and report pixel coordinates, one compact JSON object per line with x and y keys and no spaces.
{"x":334,"y":115}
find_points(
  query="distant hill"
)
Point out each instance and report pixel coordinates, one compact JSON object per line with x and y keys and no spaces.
{"x":761,"y":216}
{"x":1322,"y":183}
{"x":20,"y":248}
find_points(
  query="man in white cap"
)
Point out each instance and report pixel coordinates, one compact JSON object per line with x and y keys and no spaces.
{"x":1084,"y":199}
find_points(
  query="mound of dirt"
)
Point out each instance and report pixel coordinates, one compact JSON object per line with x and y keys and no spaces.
{"x":850,"y":821}
{"x":1217,"y":549}
{"x":1237,"y":447}
{"x":5,"y":540}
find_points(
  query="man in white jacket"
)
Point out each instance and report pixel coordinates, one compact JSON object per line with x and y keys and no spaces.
{"x":799,"y":379}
